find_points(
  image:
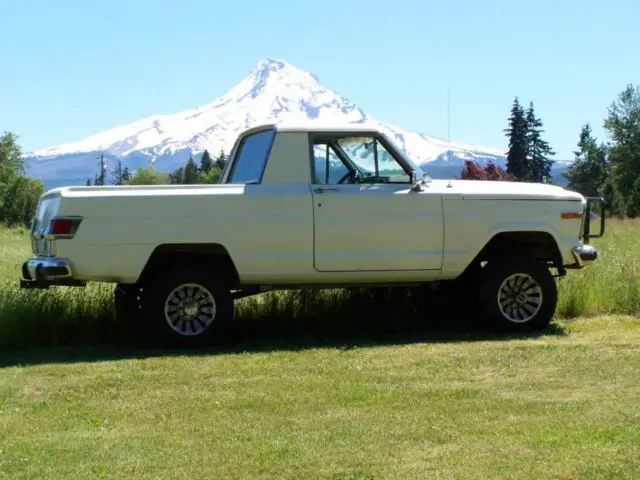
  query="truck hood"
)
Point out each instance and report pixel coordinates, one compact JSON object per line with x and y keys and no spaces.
{"x":488,"y":190}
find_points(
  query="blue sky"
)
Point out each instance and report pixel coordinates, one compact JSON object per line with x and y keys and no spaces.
{"x":69,"y":69}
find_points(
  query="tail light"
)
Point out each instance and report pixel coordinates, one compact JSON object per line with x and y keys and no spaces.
{"x":572,"y":215}
{"x":62,"y":227}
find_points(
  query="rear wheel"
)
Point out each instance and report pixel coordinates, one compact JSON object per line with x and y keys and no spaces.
{"x":187,"y":307}
{"x":517,"y":294}
{"x":127,"y":302}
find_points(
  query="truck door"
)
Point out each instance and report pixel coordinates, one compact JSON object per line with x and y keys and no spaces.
{"x":366,"y":217}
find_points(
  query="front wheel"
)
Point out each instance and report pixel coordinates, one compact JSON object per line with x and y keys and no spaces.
{"x":518,"y":294}
{"x":187,"y":307}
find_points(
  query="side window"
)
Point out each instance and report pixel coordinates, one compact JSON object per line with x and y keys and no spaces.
{"x":328,"y":167}
{"x":251,"y":158}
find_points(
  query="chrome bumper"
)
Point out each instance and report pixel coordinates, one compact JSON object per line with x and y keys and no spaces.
{"x":584,"y":254}
{"x":43,"y":272}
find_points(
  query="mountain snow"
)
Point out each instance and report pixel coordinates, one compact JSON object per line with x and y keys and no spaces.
{"x":274,"y":92}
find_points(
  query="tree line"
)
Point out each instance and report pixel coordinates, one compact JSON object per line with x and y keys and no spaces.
{"x":610,"y":170}
{"x":19,"y":194}
{"x":207,"y":170}
{"x":529,"y":156}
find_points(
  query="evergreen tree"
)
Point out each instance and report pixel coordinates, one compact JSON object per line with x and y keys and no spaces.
{"x":590,"y":170}
{"x":126,"y":175}
{"x":538,"y":150}
{"x":118,"y":174}
{"x":88,"y":184}
{"x":191,"y":172}
{"x":100,"y":176}
{"x":623,"y":126}
{"x":221,"y":160}
{"x":206,"y":162}
{"x":517,"y":133}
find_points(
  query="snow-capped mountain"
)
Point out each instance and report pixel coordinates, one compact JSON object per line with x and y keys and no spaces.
{"x":274,"y":92}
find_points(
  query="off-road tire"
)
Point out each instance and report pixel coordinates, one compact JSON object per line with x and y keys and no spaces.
{"x":506,"y":277}
{"x":165,"y":290}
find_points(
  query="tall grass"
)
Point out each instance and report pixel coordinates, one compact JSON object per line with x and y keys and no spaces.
{"x":612,"y":284}
{"x":73,"y":316}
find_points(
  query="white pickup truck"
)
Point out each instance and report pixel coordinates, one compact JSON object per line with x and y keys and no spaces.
{"x":305,"y":207}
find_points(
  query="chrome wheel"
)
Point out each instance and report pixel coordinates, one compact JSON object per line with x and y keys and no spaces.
{"x":190,"y":309}
{"x":519,"y":298}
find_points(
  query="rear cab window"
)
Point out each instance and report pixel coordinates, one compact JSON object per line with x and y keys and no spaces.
{"x":251,"y":158}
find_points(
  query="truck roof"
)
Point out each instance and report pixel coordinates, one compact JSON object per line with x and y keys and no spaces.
{"x":314,"y":127}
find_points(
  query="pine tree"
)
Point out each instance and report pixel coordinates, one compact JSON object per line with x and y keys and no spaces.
{"x":623,"y":126}
{"x":126,"y":176}
{"x":100,"y":177}
{"x":118,"y":173}
{"x":206,"y":162}
{"x":88,"y":184}
{"x":191,"y":172}
{"x":538,"y":150}
{"x":590,"y":170}
{"x":517,"y":132}
{"x":221,"y":160}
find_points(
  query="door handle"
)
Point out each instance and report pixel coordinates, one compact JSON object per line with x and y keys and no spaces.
{"x":325,"y":189}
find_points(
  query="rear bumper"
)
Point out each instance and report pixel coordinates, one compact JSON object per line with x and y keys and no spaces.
{"x":584,"y":255}
{"x":43,"y":272}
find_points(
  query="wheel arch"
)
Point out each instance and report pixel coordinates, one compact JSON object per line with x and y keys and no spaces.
{"x":171,"y":255}
{"x":539,"y":244}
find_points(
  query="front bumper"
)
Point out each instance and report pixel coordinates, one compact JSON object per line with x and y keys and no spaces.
{"x":584,"y":255}
{"x":43,"y":272}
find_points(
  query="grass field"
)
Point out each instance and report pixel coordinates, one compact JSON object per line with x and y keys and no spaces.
{"x":306,"y":390}
{"x":562,"y":405}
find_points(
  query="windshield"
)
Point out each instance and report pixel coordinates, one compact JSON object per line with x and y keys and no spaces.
{"x":372,"y":159}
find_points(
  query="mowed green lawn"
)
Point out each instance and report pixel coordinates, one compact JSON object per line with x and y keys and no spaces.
{"x":436,"y":402}
{"x":565,"y":405}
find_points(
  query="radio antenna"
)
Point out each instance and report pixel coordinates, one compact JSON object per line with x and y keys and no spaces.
{"x":449,"y":132}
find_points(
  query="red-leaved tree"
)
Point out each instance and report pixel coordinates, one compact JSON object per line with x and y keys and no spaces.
{"x":471,"y":171}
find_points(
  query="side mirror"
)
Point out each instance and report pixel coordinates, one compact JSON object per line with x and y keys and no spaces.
{"x":418,"y":183}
